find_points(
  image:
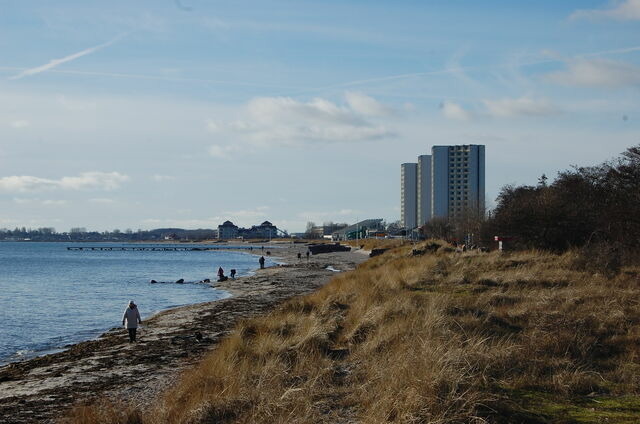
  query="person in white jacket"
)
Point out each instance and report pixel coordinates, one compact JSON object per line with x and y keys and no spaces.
{"x":132,"y":317}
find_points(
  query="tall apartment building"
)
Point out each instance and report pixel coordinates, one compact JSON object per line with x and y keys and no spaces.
{"x":457,"y":178}
{"x":448,"y":183}
{"x":408,"y":194}
{"x":423,"y":189}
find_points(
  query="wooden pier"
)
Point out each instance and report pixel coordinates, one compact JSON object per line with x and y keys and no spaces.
{"x":155,"y":248}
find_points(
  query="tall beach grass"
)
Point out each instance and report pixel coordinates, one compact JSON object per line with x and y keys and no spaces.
{"x":441,"y":337}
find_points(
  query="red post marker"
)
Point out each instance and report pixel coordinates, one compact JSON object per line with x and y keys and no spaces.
{"x":500,"y":239}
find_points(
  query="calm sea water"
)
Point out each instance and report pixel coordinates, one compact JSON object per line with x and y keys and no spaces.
{"x":51,"y":297}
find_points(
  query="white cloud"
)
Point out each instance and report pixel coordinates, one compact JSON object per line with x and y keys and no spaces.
{"x":523,"y":106}
{"x":20,"y":123}
{"x":51,"y":202}
{"x":41,"y":202}
{"x":285,"y":121}
{"x":102,"y":200}
{"x":626,"y":10}
{"x":453,"y":110}
{"x":597,"y":73}
{"x":85,"y":181}
{"x":343,"y":212}
{"x":221,"y":152}
{"x":9,"y":221}
{"x":366,"y":105}
{"x":182,"y":223}
{"x":213,"y":126}
{"x":76,"y":105}
{"x":318,"y":216}
{"x":94,"y":180}
{"x":56,"y":62}
{"x":259,"y":212}
{"x":162,"y":178}
{"x":242,"y":218}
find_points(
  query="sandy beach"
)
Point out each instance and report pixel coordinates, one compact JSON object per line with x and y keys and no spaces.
{"x":41,"y":389}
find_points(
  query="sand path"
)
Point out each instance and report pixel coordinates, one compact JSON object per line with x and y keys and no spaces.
{"x":40,"y":389}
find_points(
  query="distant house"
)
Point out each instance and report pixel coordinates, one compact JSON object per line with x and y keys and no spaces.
{"x":227,"y":230}
{"x":266,"y":230}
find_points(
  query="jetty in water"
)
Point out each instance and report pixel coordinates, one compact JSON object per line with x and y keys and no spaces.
{"x":155,"y":248}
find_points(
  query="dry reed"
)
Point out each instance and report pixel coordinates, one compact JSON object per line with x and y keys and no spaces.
{"x":440,"y":337}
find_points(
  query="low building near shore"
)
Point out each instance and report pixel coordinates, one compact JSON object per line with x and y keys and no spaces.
{"x":227,"y":231}
{"x":266,"y":230}
{"x":362,"y":229}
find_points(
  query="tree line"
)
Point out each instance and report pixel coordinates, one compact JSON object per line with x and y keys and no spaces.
{"x":583,"y":207}
{"x":81,"y":234}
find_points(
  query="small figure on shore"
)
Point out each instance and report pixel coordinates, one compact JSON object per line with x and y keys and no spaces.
{"x":221,"y":276}
{"x":262,"y":248}
{"x":299,"y":256}
{"x":307,"y":256}
{"x":132,"y":317}
{"x":233,"y":274}
{"x":261,"y":260}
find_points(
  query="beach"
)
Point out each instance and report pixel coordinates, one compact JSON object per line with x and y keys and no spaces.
{"x":43,"y":388}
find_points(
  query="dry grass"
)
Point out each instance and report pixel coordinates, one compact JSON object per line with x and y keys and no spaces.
{"x":438,"y":338}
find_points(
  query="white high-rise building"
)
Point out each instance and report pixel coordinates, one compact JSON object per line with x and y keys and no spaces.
{"x":424,"y":189}
{"x":449,"y":183}
{"x":408,"y":198}
{"x":457,"y":178}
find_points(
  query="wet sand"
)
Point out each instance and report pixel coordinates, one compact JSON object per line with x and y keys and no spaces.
{"x":41,"y":389}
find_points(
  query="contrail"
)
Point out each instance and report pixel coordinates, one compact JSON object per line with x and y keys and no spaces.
{"x":452,"y":70}
{"x":154,"y":78}
{"x":56,"y":62}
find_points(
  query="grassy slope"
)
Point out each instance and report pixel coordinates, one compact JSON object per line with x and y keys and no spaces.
{"x":441,"y":337}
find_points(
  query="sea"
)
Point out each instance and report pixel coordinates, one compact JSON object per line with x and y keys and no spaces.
{"x":51,"y":296}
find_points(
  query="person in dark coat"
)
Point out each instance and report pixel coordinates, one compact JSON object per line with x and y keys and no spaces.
{"x":233,"y":274}
{"x":261,"y":260}
{"x":220,"y":274}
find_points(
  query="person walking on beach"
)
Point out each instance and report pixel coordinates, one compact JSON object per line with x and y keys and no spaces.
{"x":261,"y":260}
{"x":299,"y":256}
{"x":220,"y":274}
{"x":307,"y":256}
{"x":233,"y":274}
{"x":132,"y":317}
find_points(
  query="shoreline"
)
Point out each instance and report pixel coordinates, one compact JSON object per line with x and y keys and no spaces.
{"x":41,"y":388}
{"x":96,"y":333}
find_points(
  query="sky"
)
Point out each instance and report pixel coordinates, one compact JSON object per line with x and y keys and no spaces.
{"x":186,"y":113}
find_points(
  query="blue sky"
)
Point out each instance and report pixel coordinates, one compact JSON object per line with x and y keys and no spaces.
{"x":186,"y":113}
